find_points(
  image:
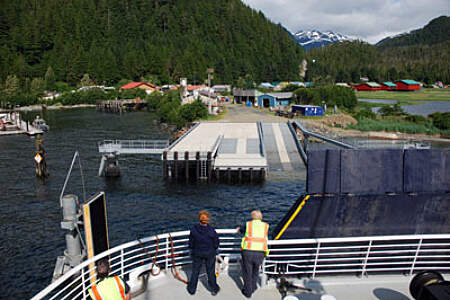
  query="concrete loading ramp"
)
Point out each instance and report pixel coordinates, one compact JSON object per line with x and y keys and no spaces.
{"x":226,"y":150}
{"x":232,"y":145}
{"x":281,"y":150}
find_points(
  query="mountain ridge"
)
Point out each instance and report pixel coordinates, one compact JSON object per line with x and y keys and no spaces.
{"x":309,"y":39}
{"x":436,"y":31}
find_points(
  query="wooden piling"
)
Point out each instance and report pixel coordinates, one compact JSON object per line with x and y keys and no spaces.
{"x":251,"y":175}
{"x":186,"y":165}
{"x":229,"y":175}
{"x":197,"y":165}
{"x":262,"y":174}
{"x":165,"y":169}
{"x":240,"y":175}
{"x":217,"y":175}
{"x":40,"y":159}
{"x":175,"y":164}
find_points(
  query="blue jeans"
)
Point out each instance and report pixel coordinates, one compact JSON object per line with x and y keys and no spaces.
{"x":210,"y":264}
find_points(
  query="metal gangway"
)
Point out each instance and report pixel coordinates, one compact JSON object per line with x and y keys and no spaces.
{"x":111,"y":149}
{"x":133,"y":146}
{"x":293,"y":126}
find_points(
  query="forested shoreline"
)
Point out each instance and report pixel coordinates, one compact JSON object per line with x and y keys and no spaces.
{"x":160,"y":40}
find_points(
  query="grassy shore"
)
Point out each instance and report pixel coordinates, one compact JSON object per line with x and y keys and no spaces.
{"x":421,"y":95}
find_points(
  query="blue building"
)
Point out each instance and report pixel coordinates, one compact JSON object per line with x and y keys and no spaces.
{"x":308,"y":110}
{"x":274,"y":100}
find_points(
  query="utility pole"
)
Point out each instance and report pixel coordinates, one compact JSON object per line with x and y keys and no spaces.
{"x":210,"y":76}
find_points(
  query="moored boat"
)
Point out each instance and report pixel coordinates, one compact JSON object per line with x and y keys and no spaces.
{"x":40,"y":124}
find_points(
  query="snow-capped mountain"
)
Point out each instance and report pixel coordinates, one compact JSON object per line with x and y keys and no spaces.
{"x":314,"y":38}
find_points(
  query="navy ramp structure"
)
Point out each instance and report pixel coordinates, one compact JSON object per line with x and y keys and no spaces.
{"x":378,"y":171}
{"x":280,"y":146}
{"x":350,"y":216}
{"x":371,"y":171}
{"x":427,"y":171}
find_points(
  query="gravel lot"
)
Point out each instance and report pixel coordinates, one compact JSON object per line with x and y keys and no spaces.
{"x":238,"y":113}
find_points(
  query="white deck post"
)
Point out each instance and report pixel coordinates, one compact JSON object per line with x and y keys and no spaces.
{"x":167,"y":255}
{"x":415,"y":257}
{"x":367,"y":258}
{"x":315,"y":260}
{"x":264,"y":275}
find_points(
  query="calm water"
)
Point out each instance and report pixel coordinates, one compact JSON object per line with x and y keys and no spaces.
{"x":426,"y":108}
{"x":30,"y":215}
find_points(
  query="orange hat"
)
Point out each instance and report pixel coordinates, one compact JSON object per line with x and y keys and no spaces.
{"x":203,"y":216}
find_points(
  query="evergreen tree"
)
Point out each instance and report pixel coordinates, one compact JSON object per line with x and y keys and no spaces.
{"x":37,"y":86}
{"x":12,"y":86}
{"x":113,"y":39}
{"x":86,"y":81}
{"x":49,"y":79}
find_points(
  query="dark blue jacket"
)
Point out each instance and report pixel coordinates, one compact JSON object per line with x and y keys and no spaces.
{"x":203,"y":240}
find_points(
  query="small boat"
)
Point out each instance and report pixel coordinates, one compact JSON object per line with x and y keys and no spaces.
{"x":39,"y":123}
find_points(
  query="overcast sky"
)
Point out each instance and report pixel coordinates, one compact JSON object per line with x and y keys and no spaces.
{"x":370,"y":20}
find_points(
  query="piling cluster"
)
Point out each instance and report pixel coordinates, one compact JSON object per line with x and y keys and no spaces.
{"x":119,"y":106}
{"x":198,"y":166}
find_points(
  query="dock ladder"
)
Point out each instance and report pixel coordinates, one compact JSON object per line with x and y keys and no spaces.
{"x":203,"y":169}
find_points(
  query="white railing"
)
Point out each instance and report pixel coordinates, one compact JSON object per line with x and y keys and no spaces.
{"x":132,"y":146}
{"x":308,"y":257}
{"x":362,"y":255}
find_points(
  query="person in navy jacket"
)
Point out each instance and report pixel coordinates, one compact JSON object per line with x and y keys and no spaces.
{"x":204,"y":244}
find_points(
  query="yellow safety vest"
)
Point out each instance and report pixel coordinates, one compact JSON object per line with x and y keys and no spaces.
{"x":111,"y":288}
{"x":255,"y":238}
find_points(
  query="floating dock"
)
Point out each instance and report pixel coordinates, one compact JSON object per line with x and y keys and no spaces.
{"x":234,"y":152}
{"x":11,"y":124}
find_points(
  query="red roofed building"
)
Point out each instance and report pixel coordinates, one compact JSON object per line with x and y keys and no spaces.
{"x":368,"y":86}
{"x":407,"y":85}
{"x":194,"y":87}
{"x":388,"y":86}
{"x":148,"y":87}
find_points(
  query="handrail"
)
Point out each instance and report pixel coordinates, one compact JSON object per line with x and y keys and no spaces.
{"x":261,"y":139}
{"x":297,"y":143}
{"x":184,"y":134}
{"x":322,"y":137}
{"x":216,"y":145}
{"x":357,"y":255}
{"x":128,"y":146}
{"x":106,"y":143}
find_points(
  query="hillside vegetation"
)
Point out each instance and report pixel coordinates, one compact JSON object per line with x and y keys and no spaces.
{"x":435,"y":32}
{"x":423,"y":55}
{"x":162,"y":40}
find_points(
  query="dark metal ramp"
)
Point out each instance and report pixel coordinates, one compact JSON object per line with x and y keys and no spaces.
{"x":346,"y":216}
{"x":378,"y":171}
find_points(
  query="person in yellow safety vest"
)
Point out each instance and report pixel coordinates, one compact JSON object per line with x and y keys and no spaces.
{"x":109,"y":287}
{"x":253,"y":250}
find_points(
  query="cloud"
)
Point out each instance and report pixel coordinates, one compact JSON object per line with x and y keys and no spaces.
{"x":366,"y":19}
